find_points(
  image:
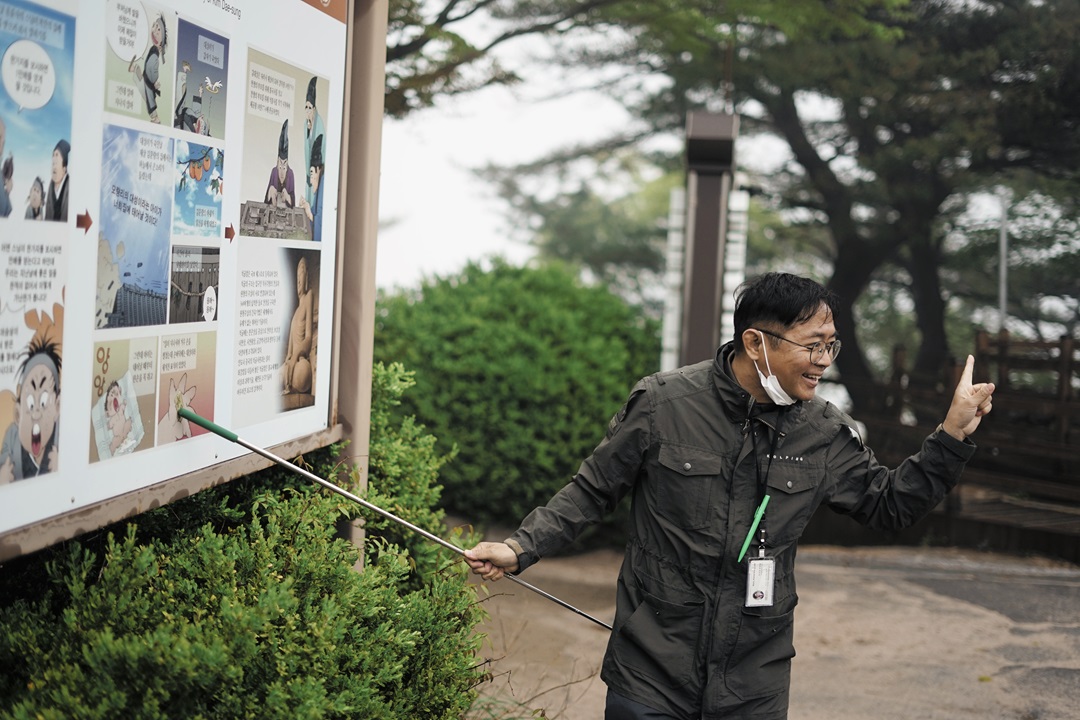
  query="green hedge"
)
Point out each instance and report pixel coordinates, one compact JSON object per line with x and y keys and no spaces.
{"x":519,"y":370}
{"x":242,"y":602}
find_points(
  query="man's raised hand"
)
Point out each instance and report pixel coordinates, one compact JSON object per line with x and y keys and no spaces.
{"x":969,"y":404}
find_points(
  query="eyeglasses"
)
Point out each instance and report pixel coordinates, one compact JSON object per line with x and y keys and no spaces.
{"x":817,"y":350}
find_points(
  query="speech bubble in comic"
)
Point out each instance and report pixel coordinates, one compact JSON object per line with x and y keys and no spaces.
{"x":28,"y":74}
{"x":270,"y":93}
{"x":126,"y":28}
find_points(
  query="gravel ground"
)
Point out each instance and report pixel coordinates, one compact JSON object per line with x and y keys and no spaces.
{"x":884,"y":633}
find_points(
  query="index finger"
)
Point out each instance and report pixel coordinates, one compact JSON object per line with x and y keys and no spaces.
{"x":965,"y":377}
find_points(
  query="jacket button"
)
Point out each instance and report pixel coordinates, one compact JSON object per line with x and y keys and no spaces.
{"x":686,"y":466}
{"x":790,"y":484}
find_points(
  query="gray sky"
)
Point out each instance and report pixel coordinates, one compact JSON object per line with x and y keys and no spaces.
{"x":435,"y":215}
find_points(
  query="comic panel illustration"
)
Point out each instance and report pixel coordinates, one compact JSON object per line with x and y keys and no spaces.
{"x":35,"y":111}
{"x":30,"y":368}
{"x":198,"y":177}
{"x":277,"y":337}
{"x":202,"y":68}
{"x":194,"y":278}
{"x":186,"y":381}
{"x":121,"y":416}
{"x":133,"y":245}
{"x":31,"y":355}
{"x":283,"y":121}
{"x":139,"y":59}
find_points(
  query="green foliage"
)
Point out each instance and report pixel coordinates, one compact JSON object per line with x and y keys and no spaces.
{"x":520,"y":370}
{"x":619,"y":238}
{"x":889,"y":127}
{"x":404,"y":473}
{"x":1043,"y":265}
{"x":243,"y":602}
{"x":442,"y":48}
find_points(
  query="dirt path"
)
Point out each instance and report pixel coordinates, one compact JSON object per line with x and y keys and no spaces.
{"x":883,"y":633}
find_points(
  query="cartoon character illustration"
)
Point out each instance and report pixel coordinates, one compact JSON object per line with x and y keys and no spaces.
{"x":148,"y":74}
{"x":35,"y":202}
{"x":117,"y":422}
{"x":56,"y":202}
{"x":115,"y":410}
{"x":31,"y":444}
{"x":281,"y":190}
{"x":191,"y":117}
{"x":314,"y":207}
{"x":313,"y":129}
{"x":8,"y":172}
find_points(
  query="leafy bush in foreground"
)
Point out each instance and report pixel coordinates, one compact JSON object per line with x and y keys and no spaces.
{"x":242,"y":602}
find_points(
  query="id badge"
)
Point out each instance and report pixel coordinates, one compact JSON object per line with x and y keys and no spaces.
{"x":760,"y":581}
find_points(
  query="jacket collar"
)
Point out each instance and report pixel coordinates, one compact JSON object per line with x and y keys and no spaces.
{"x":739,"y":405}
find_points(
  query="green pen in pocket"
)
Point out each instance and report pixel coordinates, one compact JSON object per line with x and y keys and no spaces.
{"x":758,"y":514}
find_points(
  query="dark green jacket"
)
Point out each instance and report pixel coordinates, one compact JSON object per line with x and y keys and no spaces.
{"x":685,"y":445}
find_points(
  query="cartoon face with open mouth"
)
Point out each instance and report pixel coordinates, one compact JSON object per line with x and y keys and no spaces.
{"x":39,"y":408}
{"x":113,"y":405}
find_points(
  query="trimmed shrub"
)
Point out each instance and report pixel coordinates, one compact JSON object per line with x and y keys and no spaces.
{"x":242,"y":602}
{"x":517,"y":369}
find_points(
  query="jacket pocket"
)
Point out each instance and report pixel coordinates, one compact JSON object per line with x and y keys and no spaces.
{"x":760,"y":664}
{"x":793,"y":497}
{"x":682,"y":491}
{"x":659,"y":640}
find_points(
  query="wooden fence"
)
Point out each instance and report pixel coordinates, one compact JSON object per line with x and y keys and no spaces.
{"x":1030,"y":443}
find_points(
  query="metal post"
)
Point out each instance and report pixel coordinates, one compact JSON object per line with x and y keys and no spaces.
{"x":1003,"y":261}
{"x":710,"y":157}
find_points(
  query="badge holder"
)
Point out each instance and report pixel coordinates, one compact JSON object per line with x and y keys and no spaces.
{"x":761,"y":578}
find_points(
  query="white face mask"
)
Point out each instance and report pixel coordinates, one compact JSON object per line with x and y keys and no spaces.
{"x":771,"y":384}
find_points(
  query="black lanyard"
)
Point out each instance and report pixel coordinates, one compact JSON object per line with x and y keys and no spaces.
{"x":763,"y":483}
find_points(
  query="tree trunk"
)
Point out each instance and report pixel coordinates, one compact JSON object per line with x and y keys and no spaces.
{"x":929,"y":314}
{"x":855,"y":264}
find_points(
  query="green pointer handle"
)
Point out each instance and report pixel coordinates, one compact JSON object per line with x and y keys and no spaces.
{"x":229,"y":435}
{"x":213,"y":427}
{"x":758,"y":514}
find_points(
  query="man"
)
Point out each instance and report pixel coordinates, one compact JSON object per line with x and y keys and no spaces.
{"x":705,"y":599}
{"x":280,"y":189}
{"x":56,"y":200}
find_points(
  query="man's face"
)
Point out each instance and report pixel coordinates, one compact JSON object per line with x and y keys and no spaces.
{"x":309,"y":112}
{"x":35,"y":196}
{"x":39,"y":407}
{"x":58,"y":169}
{"x":791,"y":364}
{"x":282,"y":168}
{"x":313,"y":177}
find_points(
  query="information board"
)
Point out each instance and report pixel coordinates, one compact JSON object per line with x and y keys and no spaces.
{"x":167,"y":225}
